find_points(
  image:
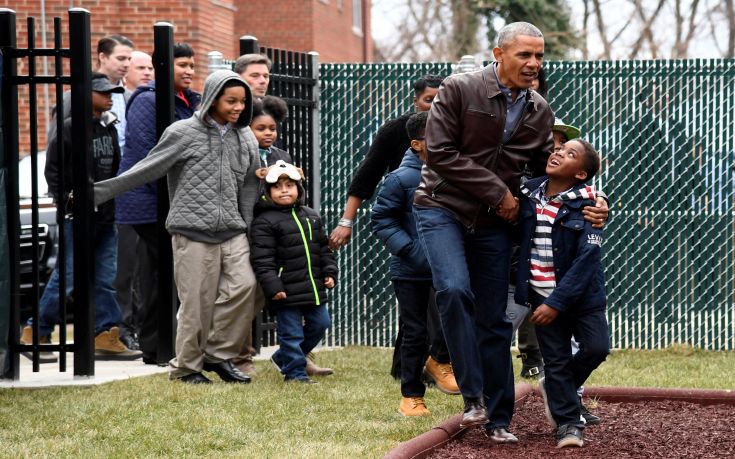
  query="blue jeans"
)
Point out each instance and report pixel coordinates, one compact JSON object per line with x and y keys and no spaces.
{"x":296,"y":339}
{"x":107,"y":311}
{"x":565,"y":371}
{"x":470,"y":275}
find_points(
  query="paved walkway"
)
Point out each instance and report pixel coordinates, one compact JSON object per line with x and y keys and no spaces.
{"x":104,"y":371}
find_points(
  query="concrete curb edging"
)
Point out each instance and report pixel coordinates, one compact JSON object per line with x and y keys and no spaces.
{"x":421,"y":446}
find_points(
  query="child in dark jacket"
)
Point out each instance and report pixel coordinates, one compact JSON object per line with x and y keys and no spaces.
{"x":293,"y":265}
{"x":393,"y":222}
{"x":560,"y":276}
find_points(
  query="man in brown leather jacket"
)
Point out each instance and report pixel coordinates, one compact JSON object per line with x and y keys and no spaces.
{"x":483,"y":129}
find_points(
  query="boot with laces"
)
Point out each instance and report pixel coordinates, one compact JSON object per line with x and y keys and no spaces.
{"x":443,"y":376}
{"x":107,"y":346}
{"x":44,"y":356}
{"x":413,"y":406}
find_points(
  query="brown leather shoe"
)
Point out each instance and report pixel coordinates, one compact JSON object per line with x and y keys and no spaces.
{"x":413,"y":406}
{"x":475,"y":413}
{"x":313,"y":370}
{"x":443,"y":376}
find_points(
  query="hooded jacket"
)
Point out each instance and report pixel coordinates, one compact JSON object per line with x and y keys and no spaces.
{"x":140,"y":205}
{"x":577,"y":253}
{"x":289,"y":252}
{"x":105,"y":160}
{"x":211,"y":177}
{"x":394,"y":223}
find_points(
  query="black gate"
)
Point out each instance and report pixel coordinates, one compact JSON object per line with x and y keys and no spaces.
{"x":26,"y":236}
{"x":294,"y":77}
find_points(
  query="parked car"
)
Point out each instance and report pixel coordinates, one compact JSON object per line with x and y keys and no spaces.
{"x":47,"y":231}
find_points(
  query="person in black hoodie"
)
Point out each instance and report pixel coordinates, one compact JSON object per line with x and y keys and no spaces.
{"x":105,"y":160}
{"x":294,"y":266}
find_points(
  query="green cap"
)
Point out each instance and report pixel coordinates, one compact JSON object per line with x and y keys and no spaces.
{"x":569,"y":131}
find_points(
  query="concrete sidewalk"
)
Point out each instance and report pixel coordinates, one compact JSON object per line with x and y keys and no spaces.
{"x":104,"y":371}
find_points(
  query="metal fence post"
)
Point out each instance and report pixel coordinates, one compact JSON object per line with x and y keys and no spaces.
{"x":9,"y":161}
{"x":249,"y":45}
{"x":163,"y":45}
{"x":81,"y":129}
{"x":316,"y":179}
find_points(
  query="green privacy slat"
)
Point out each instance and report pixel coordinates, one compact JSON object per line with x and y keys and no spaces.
{"x":665,"y":133}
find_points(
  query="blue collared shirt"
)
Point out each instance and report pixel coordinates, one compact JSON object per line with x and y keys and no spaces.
{"x":514,"y":110}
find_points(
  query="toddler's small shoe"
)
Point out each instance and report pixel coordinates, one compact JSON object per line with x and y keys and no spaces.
{"x":413,"y":406}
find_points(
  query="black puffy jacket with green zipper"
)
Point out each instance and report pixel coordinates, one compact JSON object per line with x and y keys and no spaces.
{"x":289,"y":253}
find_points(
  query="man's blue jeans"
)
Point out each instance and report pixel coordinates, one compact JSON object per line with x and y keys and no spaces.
{"x":107,"y":311}
{"x":470,"y":275}
{"x":297,"y":340}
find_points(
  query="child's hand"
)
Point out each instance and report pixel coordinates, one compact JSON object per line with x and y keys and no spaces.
{"x":544,"y":315}
{"x":329,"y":282}
{"x":279,"y":296}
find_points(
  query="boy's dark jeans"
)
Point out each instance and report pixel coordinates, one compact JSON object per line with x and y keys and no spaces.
{"x":413,"y":304}
{"x":566,"y":372}
{"x":299,"y":331}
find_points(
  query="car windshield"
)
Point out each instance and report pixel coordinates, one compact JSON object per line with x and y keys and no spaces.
{"x":24,"y":176}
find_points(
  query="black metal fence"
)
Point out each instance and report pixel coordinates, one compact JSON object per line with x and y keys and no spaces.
{"x":79,"y":55}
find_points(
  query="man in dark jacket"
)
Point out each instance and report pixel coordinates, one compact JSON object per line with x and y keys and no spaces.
{"x":484,"y":127}
{"x":105,"y":160}
{"x":138,"y":207}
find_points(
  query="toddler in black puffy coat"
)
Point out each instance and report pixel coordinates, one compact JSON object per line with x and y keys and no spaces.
{"x":294,"y":266}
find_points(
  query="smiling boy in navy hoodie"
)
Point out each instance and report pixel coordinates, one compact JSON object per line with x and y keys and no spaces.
{"x":560,"y":276}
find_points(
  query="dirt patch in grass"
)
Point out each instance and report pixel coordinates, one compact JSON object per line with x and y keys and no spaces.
{"x":661,"y":428}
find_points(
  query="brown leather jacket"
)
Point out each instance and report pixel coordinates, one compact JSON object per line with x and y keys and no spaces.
{"x":469,"y":169}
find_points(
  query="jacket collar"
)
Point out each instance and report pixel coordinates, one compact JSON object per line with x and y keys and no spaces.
{"x":492,"y":88}
{"x":534,"y":183}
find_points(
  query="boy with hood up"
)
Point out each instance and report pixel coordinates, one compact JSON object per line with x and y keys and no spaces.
{"x":294,"y":265}
{"x":210,"y":159}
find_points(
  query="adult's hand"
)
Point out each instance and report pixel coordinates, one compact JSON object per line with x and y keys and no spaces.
{"x":544,"y":315}
{"x":340,"y":237}
{"x":597,"y":214}
{"x":508,"y":207}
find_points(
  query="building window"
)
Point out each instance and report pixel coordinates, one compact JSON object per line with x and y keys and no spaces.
{"x":357,"y":16}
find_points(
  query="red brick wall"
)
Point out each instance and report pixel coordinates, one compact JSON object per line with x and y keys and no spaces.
{"x":306,"y":25}
{"x":194,"y":23}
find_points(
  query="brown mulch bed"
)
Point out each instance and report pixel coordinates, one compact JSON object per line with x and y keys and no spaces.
{"x":657,"y":429}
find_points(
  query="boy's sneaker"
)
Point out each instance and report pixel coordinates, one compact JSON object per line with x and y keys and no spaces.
{"x":107,"y":346}
{"x":413,"y":406}
{"x":547,"y":411}
{"x":443,"y":376}
{"x":589,"y":418}
{"x":276,"y":364}
{"x":43,"y":356}
{"x":569,"y":435}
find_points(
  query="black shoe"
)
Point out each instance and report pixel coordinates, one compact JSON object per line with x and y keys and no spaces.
{"x":131,"y":342}
{"x":150,"y":360}
{"x":195,"y":378}
{"x":533,"y":366}
{"x":569,"y":435}
{"x":475,"y":413}
{"x":227,"y":371}
{"x":501,"y":435}
{"x":589,"y":418}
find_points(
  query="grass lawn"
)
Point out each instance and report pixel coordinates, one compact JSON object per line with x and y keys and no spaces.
{"x":351,"y":414}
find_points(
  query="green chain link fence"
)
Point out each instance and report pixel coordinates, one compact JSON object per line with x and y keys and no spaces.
{"x":665,"y":133}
